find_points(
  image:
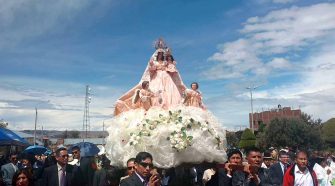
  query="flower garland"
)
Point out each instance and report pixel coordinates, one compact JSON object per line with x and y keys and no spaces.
{"x":180,"y":138}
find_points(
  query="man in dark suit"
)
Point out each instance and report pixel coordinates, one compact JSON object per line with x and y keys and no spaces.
{"x":223,"y":175}
{"x":86,"y":165}
{"x":142,"y":175}
{"x":61,"y":174}
{"x":9,"y":169}
{"x":252,"y":174}
{"x":277,"y":170}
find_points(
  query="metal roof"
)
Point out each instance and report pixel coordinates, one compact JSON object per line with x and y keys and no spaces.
{"x":71,"y":141}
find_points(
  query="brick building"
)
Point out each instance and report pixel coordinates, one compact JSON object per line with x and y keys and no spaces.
{"x":266,"y":116}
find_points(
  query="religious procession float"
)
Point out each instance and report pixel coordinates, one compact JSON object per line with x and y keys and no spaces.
{"x":160,"y":115}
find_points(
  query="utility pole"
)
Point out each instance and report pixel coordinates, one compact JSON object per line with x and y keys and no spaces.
{"x":86,"y":120}
{"x":42,"y":135}
{"x":251,"y":88}
{"x":36,"y":118}
{"x":35,"y":125}
{"x":103,"y":132}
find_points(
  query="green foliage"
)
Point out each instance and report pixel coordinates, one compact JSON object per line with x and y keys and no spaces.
{"x":308,"y":119}
{"x":260,"y":141}
{"x":328,"y":132}
{"x":239,"y":134}
{"x":291,"y":132}
{"x":232,"y":139}
{"x":248,"y":135}
{"x":261,"y":127}
{"x":248,"y":139}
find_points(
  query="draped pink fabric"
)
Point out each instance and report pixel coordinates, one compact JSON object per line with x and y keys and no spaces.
{"x":164,"y":80}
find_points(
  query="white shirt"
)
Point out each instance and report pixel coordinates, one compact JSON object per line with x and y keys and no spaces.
{"x":59,"y":168}
{"x":282,"y":167}
{"x":302,"y":178}
{"x":207,"y":175}
{"x":324,"y":179}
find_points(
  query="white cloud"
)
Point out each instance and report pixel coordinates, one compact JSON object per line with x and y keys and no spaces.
{"x":235,"y":58}
{"x":60,"y":104}
{"x":296,"y":41}
{"x":285,"y":29}
{"x":314,"y":93}
{"x":7,"y":105}
{"x":279,"y":63}
{"x":283,"y":1}
{"x":284,"y":32}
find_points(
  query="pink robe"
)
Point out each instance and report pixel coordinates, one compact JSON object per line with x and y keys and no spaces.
{"x":164,"y":80}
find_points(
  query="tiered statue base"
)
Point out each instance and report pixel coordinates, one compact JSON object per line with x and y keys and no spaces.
{"x":176,"y":136}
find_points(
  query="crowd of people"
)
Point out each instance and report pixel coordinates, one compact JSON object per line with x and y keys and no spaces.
{"x":252,"y":167}
{"x":61,"y":168}
{"x":273,"y":168}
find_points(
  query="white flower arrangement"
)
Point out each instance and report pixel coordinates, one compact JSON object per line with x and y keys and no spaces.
{"x":180,"y":138}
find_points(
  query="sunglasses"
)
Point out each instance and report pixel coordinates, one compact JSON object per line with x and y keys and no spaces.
{"x":130,"y":168}
{"x":75,"y":152}
{"x":65,"y":156}
{"x":145,"y":165}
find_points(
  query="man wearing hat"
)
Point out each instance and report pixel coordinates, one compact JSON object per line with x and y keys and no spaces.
{"x":267,"y":160}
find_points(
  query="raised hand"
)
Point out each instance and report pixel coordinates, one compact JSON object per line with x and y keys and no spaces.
{"x":154,"y":180}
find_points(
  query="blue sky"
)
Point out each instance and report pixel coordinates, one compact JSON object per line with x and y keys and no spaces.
{"x":50,"y":50}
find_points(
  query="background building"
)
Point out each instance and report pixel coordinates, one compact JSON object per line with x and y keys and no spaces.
{"x":266,"y":116}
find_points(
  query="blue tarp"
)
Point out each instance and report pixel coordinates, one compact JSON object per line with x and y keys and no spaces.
{"x":8,"y":137}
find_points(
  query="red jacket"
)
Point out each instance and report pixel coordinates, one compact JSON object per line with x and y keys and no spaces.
{"x":289,"y":176}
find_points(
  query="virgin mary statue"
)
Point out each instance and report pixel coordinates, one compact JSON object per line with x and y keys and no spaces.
{"x":164,"y":80}
{"x":153,"y":116}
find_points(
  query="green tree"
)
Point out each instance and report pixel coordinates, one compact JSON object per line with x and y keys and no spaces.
{"x":248,"y":139}
{"x":260,"y":140}
{"x":308,"y":119}
{"x":291,"y":132}
{"x":232,"y":139}
{"x":261,"y":127}
{"x":328,"y":132}
{"x":239,"y":134}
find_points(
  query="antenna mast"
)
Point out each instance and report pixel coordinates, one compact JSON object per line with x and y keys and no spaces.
{"x":86,"y":120}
